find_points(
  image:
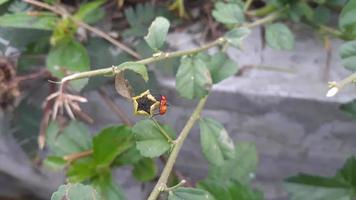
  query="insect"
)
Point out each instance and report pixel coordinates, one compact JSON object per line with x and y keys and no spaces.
{"x":163,"y":105}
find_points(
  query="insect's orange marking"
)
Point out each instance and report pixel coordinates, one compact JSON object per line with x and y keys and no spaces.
{"x":163,"y":105}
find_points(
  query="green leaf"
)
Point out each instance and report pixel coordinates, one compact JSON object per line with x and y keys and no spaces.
{"x":140,"y":18}
{"x":111,"y":142}
{"x":193,"y":78}
{"x":74,"y":138}
{"x":75,"y":191}
{"x":348,"y":55}
{"x":82,"y":170}
{"x":278,"y":36}
{"x":349,"y":108}
{"x":228,"y":13}
{"x":230,"y":190}
{"x":216,"y":143}
{"x":347,"y":19}
{"x":322,"y":15}
{"x":54,"y":162}
{"x":129,"y":157}
{"x":87,"y":11}
{"x":241,"y":168}
{"x":183,"y":193}
{"x":236,"y":35}
{"x":42,"y":20}
{"x":68,"y":56}
{"x":311,"y":187}
{"x":3,"y":1}
{"x":107,"y":187}
{"x":157,"y":33}
{"x":348,"y":172}
{"x":340,"y":187}
{"x":145,"y":170}
{"x":135,"y":67}
{"x":149,"y":140}
{"x":219,"y":65}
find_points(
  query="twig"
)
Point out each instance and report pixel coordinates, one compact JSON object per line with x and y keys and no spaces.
{"x":63,"y":13}
{"x":164,"y":133}
{"x":117,"y":110}
{"x":154,"y":58}
{"x":247,"y":5}
{"x":162,"y":181}
{"x":76,"y":156}
{"x":335,"y":87}
{"x":264,"y":20}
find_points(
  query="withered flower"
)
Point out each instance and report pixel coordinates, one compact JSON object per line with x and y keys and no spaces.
{"x":145,"y":104}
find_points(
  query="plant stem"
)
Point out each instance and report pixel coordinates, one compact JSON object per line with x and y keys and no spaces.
{"x":247,"y":4}
{"x":164,"y":133}
{"x":162,"y":181}
{"x":335,"y":87}
{"x":261,"y":12}
{"x":154,"y":58}
{"x":76,"y":156}
{"x":64,"y":13}
{"x":264,"y":20}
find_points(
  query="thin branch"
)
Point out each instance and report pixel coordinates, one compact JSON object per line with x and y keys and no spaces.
{"x":335,"y":87}
{"x":64,"y":13}
{"x":161,"y":185}
{"x":155,"y":58}
{"x":76,"y":156}
{"x":264,"y":20}
{"x":164,"y":133}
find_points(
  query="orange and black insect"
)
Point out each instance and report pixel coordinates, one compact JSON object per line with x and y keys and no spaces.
{"x":163,"y":105}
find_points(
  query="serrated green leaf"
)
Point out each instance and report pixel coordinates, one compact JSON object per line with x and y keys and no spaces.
{"x":74,"y":138}
{"x":149,"y":140}
{"x":348,"y":172}
{"x":347,"y":18}
{"x":236,"y":36}
{"x":241,"y":168}
{"x":141,"y":17}
{"x":54,"y":163}
{"x":230,"y":190}
{"x":219,"y":65}
{"x":88,"y":10}
{"x":216,"y":144}
{"x":228,"y":13}
{"x":157,"y":33}
{"x":107,"y":187}
{"x":42,"y":20}
{"x":183,"y":193}
{"x":111,"y":142}
{"x":67,"y":56}
{"x":348,"y":55}
{"x":76,"y":191}
{"x":135,"y":67}
{"x":145,"y":170}
{"x":278,"y":36}
{"x":193,"y":78}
